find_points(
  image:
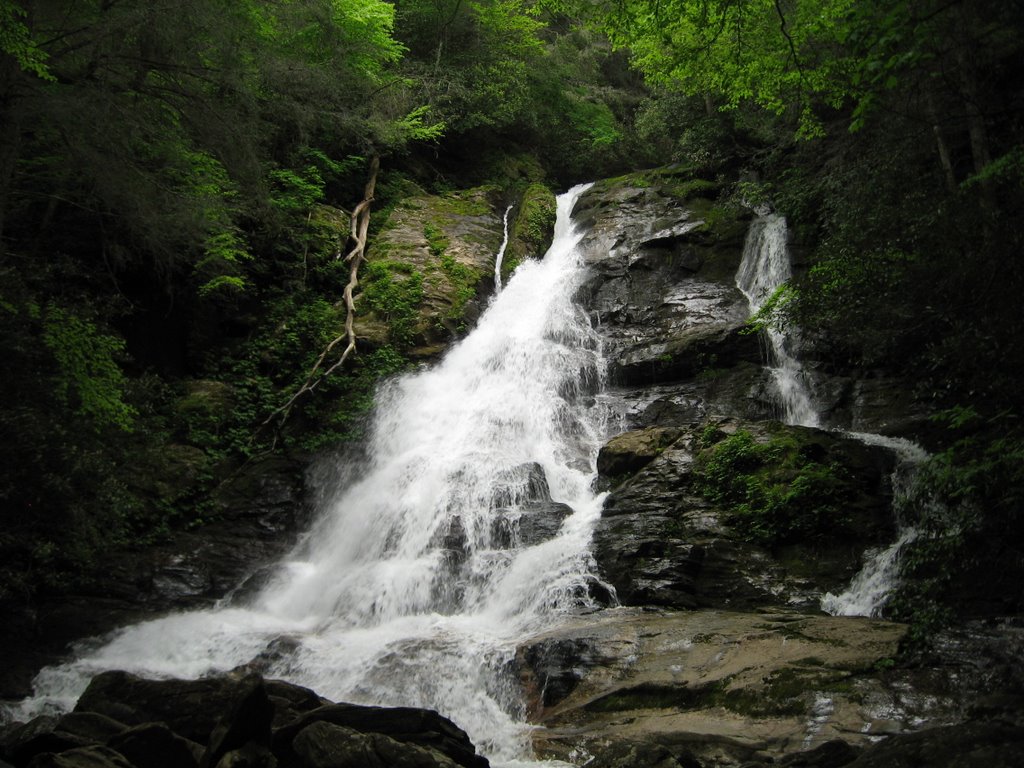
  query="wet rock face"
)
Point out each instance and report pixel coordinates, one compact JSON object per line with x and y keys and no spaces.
{"x":228,"y":722}
{"x":717,"y":688}
{"x":661,"y":287}
{"x":258,"y":512}
{"x":429,"y":270}
{"x":661,"y":542}
{"x":715,"y":685}
{"x":721,"y":689}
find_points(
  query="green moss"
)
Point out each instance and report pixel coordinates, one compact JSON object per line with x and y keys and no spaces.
{"x":533,"y":227}
{"x":676,"y":181}
{"x":652,"y":696}
{"x":463,"y":280}
{"x":470,"y":202}
{"x":394,"y":290}
{"x":774,"y":492}
{"x":437,"y":241}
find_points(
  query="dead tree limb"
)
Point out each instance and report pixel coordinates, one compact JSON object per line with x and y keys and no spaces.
{"x":359,"y":227}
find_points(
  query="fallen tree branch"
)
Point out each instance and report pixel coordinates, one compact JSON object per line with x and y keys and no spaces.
{"x":359,"y":227}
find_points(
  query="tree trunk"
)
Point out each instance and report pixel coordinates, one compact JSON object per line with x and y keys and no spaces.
{"x":359,"y":227}
{"x":971,"y":96}
{"x":10,"y":138}
{"x":941,"y":146}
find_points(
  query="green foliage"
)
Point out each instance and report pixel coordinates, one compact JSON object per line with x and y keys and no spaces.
{"x":734,"y":53}
{"x":532,"y":228}
{"x":774,"y":493}
{"x":356,"y":388}
{"x":89,"y":378}
{"x":394,"y":290}
{"x":774,"y":311}
{"x":967,"y":503}
{"x":16,"y":41}
{"x":413,"y":127}
{"x":595,"y":120}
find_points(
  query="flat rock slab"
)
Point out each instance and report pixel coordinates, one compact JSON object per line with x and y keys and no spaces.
{"x":726,"y":686}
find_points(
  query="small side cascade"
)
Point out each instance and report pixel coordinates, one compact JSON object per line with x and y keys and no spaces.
{"x":764,"y":269}
{"x":499,"y":257}
{"x":871,"y":588}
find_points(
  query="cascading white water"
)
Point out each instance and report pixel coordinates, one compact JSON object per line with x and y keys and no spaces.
{"x":410,"y":589}
{"x":764,"y":268}
{"x":871,"y":588}
{"x":500,"y":256}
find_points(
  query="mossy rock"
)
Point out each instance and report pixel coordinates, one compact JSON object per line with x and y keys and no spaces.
{"x":206,"y":397}
{"x":628,"y":452}
{"x":429,"y":269}
{"x":533,"y":228}
{"x":784,"y":484}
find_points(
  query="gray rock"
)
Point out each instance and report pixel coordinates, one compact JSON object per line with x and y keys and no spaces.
{"x":631,"y":451}
{"x":154,"y":745}
{"x":246,"y":721}
{"x":419,"y":727}
{"x":323,"y":745}
{"x":82,"y":757}
{"x":529,"y":524}
{"x":660,"y":542}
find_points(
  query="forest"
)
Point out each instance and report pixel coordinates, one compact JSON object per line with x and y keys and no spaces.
{"x":177,"y":181}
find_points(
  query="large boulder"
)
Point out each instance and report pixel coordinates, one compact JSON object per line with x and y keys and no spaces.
{"x":123,"y":721}
{"x":722,"y":688}
{"x":626,"y":453}
{"x":662,"y":541}
{"x":662,"y":256}
{"x":429,"y":270}
{"x":419,"y":727}
{"x":154,"y":745}
{"x":190,"y":708}
{"x":325,"y":745}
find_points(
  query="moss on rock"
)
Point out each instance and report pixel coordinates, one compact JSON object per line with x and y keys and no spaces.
{"x":428,"y":269}
{"x":532,"y":229}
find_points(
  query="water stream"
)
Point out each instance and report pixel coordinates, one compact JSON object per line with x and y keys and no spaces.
{"x":870,"y":590}
{"x":500,"y":256}
{"x":765,"y":267}
{"x":421,"y":577}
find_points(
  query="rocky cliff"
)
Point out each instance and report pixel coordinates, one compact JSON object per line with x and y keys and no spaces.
{"x":721,"y":531}
{"x":723,"y":528}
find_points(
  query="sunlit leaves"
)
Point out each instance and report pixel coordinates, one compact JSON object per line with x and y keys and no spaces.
{"x":16,"y":41}
{"x":89,"y":380}
{"x":781,"y":56}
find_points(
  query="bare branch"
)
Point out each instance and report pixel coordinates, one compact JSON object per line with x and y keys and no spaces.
{"x":360,"y":225}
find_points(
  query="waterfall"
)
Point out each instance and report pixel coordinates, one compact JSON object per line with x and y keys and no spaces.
{"x":871,"y":588}
{"x":873,"y":585}
{"x":418,"y":581}
{"x":500,"y":255}
{"x":763,"y":270}
{"x":765,"y":267}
